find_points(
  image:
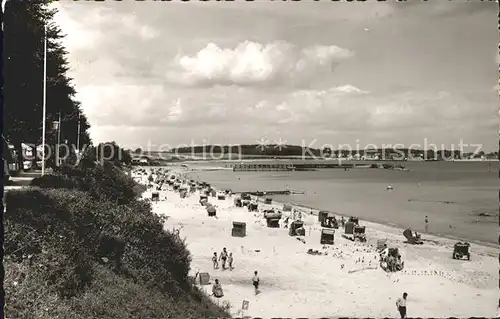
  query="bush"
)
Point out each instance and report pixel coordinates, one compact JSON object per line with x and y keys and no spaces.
{"x":82,"y":230}
{"x":45,"y":227}
{"x":57,"y":181}
{"x":85,"y":245}
{"x":103,"y":183}
{"x":109,"y":296}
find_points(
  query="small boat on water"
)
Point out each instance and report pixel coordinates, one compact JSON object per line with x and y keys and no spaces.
{"x":389,"y":187}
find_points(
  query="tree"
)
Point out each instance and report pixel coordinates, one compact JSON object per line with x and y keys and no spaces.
{"x":23,"y":67}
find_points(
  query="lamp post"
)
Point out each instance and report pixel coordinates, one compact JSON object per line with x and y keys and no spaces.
{"x":58,"y":138}
{"x":44,"y":97}
{"x":78,"y":137}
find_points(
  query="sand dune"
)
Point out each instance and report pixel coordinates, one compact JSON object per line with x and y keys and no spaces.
{"x":346,"y":281}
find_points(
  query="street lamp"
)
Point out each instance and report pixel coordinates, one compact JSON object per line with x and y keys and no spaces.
{"x":44,"y":97}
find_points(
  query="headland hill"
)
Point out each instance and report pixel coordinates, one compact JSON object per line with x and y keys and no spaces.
{"x":299,"y":155}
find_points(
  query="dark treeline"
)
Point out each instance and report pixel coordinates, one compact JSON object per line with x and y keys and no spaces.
{"x":295,"y":150}
{"x":23,"y":51}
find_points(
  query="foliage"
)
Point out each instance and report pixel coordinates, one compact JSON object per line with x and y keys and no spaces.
{"x":102,"y":182}
{"x":108,"y":151}
{"x":78,"y":250}
{"x":23,"y":55}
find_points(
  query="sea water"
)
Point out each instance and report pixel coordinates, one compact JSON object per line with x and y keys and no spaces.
{"x":459,"y":198}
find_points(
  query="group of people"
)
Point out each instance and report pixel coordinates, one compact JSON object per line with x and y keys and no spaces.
{"x":225,"y":258}
{"x":217,"y":287}
{"x":296,"y":215}
{"x":392,"y":261}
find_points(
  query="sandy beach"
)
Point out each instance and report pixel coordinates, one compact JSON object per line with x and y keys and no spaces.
{"x":345,"y":281}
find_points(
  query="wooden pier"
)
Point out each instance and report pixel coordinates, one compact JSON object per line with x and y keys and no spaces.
{"x":277,"y":167}
{"x":250,"y":167}
{"x":270,"y":193}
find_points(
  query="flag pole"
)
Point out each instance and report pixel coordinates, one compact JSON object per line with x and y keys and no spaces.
{"x":44,"y":97}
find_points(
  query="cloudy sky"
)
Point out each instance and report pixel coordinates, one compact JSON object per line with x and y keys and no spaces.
{"x":309,"y":72}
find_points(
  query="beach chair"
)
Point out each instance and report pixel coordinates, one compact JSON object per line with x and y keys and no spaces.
{"x":461,"y":250}
{"x":349,"y":228}
{"x":253,"y":207}
{"x":330,"y":221}
{"x":211,"y":210}
{"x":269,"y":201}
{"x":183,"y":194}
{"x":203,"y":199}
{"x":273,"y":222}
{"x":221,"y":197}
{"x":239,"y":229}
{"x":294,"y":226}
{"x":271,"y":213}
{"x":359,"y":233}
{"x":246,"y":196}
{"x":245,"y":203}
{"x":155,"y":196}
{"x":237,"y":202}
{"x":412,"y":237}
{"x":391,"y":261}
{"x":322,"y":215}
{"x":204,"y":278}
{"x":354,"y":220}
{"x":327,"y":237}
{"x":272,"y":218}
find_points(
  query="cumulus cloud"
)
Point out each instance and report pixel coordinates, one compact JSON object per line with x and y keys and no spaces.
{"x":347,"y":108}
{"x":123,"y":104}
{"x":251,"y":63}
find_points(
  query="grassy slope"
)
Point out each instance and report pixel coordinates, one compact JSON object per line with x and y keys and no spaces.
{"x":55,"y":241}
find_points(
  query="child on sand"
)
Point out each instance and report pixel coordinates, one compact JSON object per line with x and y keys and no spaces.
{"x":214,"y":259}
{"x":256,"y":281}
{"x":230,"y":261}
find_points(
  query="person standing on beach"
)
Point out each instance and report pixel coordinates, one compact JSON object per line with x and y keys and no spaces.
{"x":426,"y":224}
{"x":498,"y":309}
{"x":223,"y":256}
{"x":256,"y":281}
{"x":214,"y":259}
{"x":401,"y":304}
{"x":230,"y":261}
